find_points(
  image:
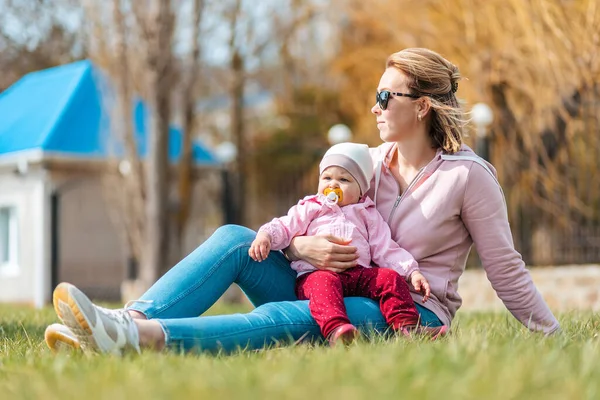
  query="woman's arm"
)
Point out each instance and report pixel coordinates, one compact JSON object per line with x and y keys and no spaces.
{"x":385,"y":252}
{"x":485,"y":217}
{"x":323,"y":252}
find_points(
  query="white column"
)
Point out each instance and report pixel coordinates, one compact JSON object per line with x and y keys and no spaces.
{"x":41,"y":274}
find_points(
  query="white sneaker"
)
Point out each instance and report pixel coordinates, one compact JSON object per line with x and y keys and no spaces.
{"x":59,"y":338}
{"x":98,"y":329}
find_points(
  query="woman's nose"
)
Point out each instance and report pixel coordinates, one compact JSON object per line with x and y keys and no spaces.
{"x":375,"y":109}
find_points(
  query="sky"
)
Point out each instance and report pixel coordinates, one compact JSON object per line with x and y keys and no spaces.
{"x":215,"y":48}
{"x":22,"y":31}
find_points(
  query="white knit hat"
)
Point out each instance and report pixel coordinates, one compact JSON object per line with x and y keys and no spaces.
{"x":354,"y":158}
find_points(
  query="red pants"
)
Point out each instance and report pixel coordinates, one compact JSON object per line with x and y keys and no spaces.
{"x":325,"y":291}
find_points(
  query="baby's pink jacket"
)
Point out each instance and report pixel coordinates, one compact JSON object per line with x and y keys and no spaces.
{"x":360,"y":222}
{"x":453,"y":203}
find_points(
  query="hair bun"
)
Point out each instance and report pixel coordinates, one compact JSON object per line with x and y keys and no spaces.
{"x":454,"y":86}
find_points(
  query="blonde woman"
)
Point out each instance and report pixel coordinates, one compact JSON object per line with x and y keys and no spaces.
{"x":437,"y":196}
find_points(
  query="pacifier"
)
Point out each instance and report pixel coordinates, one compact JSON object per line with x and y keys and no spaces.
{"x":333,"y":195}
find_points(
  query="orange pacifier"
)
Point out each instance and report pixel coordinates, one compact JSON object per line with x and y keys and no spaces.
{"x":333,"y":195}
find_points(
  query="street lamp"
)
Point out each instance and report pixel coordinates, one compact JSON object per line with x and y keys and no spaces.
{"x":482,"y":116}
{"x":124,"y":167}
{"x":226,"y":153}
{"x":339,"y":133}
{"x":132,"y":262}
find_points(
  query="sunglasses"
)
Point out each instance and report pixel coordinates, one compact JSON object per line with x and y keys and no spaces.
{"x":383,"y":97}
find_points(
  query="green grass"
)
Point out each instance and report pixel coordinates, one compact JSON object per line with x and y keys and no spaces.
{"x":489,"y":356}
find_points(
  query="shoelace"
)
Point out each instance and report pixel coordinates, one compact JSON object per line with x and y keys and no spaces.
{"x":125,"y":321}
{"x":121,"y":315}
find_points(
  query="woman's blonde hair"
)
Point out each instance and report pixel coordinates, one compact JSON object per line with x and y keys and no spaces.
{"x":430,"y":74}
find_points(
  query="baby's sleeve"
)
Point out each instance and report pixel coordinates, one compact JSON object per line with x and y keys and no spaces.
{"x":283,"y":229}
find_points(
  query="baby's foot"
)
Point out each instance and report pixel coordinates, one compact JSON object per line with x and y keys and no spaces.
{"x":344,"y":334}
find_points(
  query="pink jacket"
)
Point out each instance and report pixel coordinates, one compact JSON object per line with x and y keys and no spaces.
{"x":361,"y":222}
{"x":453,"y":202}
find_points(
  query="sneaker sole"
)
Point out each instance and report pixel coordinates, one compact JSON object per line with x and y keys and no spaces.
{"x":69,"y":311}
{"x":422,"y":331}
{"x":59,"y":342}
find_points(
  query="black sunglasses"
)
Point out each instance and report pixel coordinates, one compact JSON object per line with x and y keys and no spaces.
{"x":383,"y":97}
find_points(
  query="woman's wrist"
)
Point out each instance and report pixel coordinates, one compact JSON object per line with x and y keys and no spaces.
{"x":290,"y":252}
{"x":287,"y":254}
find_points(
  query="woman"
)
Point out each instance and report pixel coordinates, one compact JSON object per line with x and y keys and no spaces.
{"x":438,"y":197}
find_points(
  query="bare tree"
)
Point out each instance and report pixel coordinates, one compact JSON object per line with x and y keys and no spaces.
{"x":238,"y":82}
{"x":156,"y":25}
{"x":138,"y":56}
{"x":189,"y":95}
{"x":123,"y":123}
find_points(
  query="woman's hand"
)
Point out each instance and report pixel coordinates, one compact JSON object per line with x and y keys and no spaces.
{"x":420,"y":284}
{"x":324,"y":252}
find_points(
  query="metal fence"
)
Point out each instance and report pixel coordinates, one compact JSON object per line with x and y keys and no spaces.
{"x":571,"y":236}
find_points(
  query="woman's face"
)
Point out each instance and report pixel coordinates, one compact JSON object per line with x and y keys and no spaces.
{"x":399,"y":119}
{"x":338,"y":178}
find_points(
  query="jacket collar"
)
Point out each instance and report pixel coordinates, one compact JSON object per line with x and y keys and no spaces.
{"x":388,"y":152}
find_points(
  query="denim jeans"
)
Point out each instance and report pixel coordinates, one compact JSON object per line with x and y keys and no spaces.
{"x":193,"y":285}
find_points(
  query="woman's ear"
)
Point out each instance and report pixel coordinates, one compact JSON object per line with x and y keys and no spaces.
{"x":423,"y":106}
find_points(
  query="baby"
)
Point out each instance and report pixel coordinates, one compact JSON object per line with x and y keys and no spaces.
{"x":341,"y":208}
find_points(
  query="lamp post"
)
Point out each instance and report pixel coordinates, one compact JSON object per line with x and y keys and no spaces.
{"x":226,"y":152}
{"x":132,"y":264}
{"x":339,"y":133}
{"x":482,"y":116}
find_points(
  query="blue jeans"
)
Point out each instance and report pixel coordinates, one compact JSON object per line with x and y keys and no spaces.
{"x":178,"y":298}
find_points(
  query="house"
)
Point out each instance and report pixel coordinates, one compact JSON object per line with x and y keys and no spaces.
{"x":56,"y":218}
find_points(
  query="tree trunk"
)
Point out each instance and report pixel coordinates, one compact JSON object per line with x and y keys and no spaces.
{"x":237,"y":125}
{"x":159,"y":65}
{"x":186,"y":163}
{"x":122,"y":121}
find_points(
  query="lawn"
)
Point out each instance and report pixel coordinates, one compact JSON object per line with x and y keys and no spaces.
{"x":488,"y":356}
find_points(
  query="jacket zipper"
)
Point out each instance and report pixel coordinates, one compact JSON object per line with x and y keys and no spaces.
{"x":401,"y":196}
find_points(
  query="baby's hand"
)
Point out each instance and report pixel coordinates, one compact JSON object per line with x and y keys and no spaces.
{"x":420,"y":284}
{"x":260,"y":247}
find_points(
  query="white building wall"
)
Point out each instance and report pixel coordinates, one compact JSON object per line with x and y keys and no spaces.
{"x":41,"y":242}
{"x":17,"y":285}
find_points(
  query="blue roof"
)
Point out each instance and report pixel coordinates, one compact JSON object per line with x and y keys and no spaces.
{"x":62,"y":110}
